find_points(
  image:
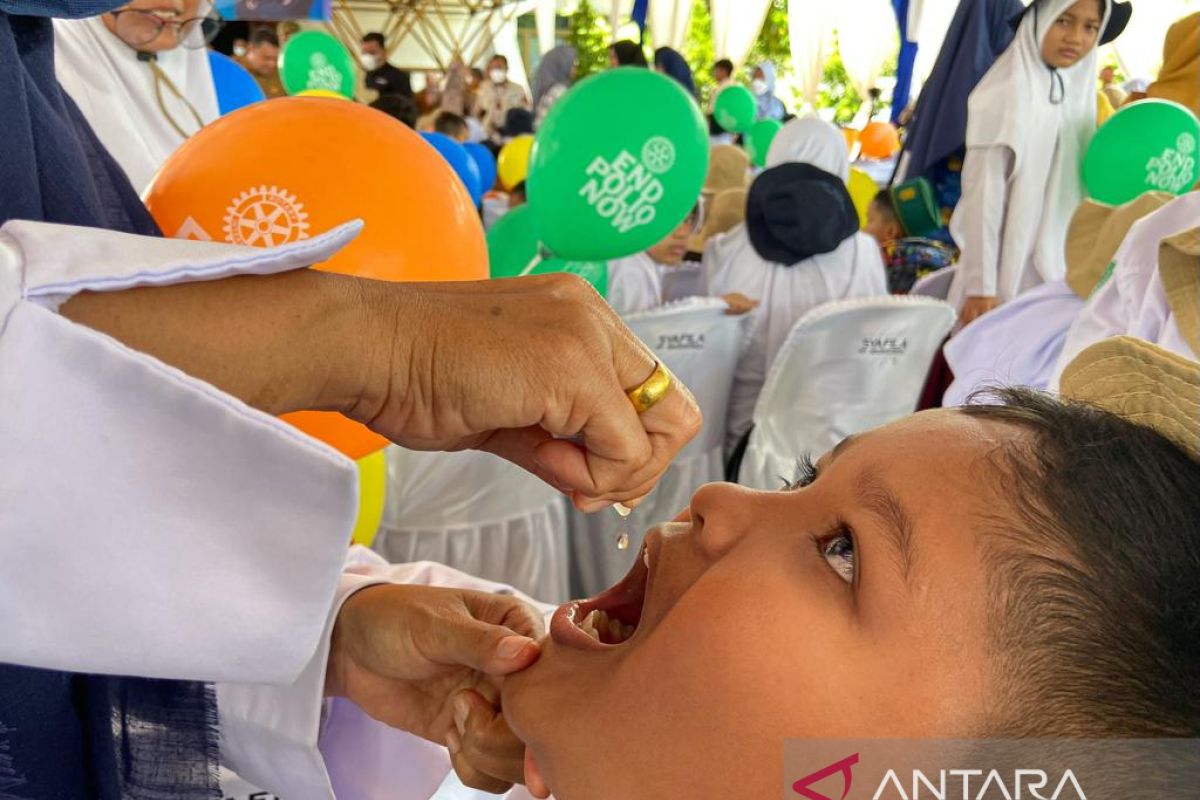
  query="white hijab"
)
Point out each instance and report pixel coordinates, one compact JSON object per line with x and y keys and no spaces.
{"x":853,"y":269}
{"x":1048,"y":135}
{"x":115,"y":92}
{"x":809,"y":140}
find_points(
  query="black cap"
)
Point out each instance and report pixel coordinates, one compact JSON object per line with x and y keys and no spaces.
{"x":797,"y":211}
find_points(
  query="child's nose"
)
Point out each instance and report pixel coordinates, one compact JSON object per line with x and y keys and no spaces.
{"x":721,"y":516}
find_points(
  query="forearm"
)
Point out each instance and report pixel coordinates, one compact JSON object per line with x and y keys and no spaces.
{"x":297,"y":340}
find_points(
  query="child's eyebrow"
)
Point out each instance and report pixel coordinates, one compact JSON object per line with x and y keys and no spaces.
{"x":897,"y":526}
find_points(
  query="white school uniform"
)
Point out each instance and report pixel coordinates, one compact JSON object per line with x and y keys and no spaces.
{"x":635,"y":283}
{"x":1028,"y":127}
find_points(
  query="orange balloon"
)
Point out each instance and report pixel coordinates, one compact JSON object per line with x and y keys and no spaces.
{"x":851,"y":138}
{"x":278,"y":172}
{"x":879,"y":140}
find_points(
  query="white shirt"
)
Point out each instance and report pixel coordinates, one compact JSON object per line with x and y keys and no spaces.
{"x":1133,"y":301}
{"x":1018,"y":344}
{"x":116,"y":93}
{"x":156,"y":526}
{"x":634,"y":284}
{"x":785,"y":294}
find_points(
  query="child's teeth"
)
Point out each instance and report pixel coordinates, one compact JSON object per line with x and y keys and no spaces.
{"x":646,"y":557}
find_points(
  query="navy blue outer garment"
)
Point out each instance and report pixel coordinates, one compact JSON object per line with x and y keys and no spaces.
{"x":67,"y":735}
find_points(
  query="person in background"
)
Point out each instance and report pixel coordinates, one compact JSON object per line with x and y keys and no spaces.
{"x":554,"y":76}
{"x":430,"y":97}
{"x":906,"y":259}
{"x":762,"y":84}
{"x":517,"y":122}
{"x":1179,"y":77}
{"x":516,"y":196}
{"x":140,"y":75}
{"x":1109,"y":88}
{"x":626,"y":53}
{"x":800,"y":247}
{"x":722,"y":72}
{"x":497,"y":96}
{"x":452,"y":125}
{"x":672,"y":63}
{"x":728,"y":168}
{"x":635,"y":283}
{"x":723,"y":212}
{"x":238,"y":48}
{"x":398,"y":106}
{"x":380,"y":75}
{"x":262,"y":60}
{"x":1029,"y":124}
{"x":286,"y":30}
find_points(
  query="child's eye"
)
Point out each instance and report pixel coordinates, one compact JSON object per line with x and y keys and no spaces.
{"x":806,"y":473}
{"x":838,"y":552}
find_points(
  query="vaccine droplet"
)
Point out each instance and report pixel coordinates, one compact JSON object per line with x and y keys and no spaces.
{"x":623,"y":541}
{"x":622,"y":509}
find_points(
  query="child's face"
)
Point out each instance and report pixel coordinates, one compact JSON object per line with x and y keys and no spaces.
{"x":855,"y":607}
{"x":1073,"y":35}
{"x":672,"y":249}
{"x":882,"y":225}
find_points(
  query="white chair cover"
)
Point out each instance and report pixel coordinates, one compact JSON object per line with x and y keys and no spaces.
{"x":846,"y":367}
{"x":477,"y":513}
{"x":700,"y":344}
{"x":935,"y":284}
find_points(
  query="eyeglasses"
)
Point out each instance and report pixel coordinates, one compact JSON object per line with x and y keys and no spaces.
{"x":138,"y":28}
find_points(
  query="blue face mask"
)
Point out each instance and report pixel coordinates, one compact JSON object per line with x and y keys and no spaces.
{"x":63,"y":9}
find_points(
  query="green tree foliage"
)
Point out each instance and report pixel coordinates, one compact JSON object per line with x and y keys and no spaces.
{"x":588,"y":34}
{"x":837,"y":92}
{"x":773,"y":43}
{"x":699,"y":49}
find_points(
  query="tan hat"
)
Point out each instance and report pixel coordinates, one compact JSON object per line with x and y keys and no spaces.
{"x":728,"y":168}
{"x":727,"y":210}
{"x":1179,"y":268}
{"x":1095,"y":234}
{"x":1141,"y":382}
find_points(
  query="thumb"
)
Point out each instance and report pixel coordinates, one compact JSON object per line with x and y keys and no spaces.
{"x":490,"y":649}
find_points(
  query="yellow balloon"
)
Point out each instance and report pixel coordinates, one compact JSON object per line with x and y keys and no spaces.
{"x":513,"y":163}
{"x":322,"y":93}
{"x":372,"y":485}
{"x":862,"y":191}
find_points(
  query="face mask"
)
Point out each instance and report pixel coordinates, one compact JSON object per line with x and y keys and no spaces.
{"x":759,"y":86}
{"x":369,"y":62}
{"x":498,"y":76}
{"x":239,"y":50}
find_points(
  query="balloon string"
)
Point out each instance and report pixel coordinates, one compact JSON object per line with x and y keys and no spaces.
{"x":537,"y":259}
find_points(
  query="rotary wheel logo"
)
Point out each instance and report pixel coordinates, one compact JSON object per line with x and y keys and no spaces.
{"x":658,"y":154}
{"x":265,"y":217}
{"x":1185,"y":144}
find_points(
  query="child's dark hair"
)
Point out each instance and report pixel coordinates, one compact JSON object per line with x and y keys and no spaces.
{"x":1094,"y":576}
{"x":518,"y":190}
{"x":450,"y":124}
{"x":883,"y":202}
{"x":398,"y":106}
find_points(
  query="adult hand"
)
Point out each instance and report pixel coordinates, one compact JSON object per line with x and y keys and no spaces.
{"x":406,"y":654}
{"x":534,"y":370}
{"x":976,"y":307}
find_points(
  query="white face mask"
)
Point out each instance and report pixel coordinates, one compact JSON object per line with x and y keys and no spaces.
{"x":759,"y":86}
{"x":369,"y":61}
{"x":498,"y":76}
{"x":239,"y":50}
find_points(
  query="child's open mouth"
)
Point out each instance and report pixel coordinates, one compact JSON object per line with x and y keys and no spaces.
{"x":610,"y":618}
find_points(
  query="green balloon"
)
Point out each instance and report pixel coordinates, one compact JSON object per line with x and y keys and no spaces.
{"x":594,"y":272}
{"x":1149,"y":145}
{"x":607,"y":184}
{"x":314,"y":60}
{"x":512,"y":243}
{"x":758,"y":140}
{"x":735,"y":109}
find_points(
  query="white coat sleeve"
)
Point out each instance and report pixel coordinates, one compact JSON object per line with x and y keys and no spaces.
{"x":292,"y":742}
{"x":978,"y":222}
{"x":150,"y":524}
